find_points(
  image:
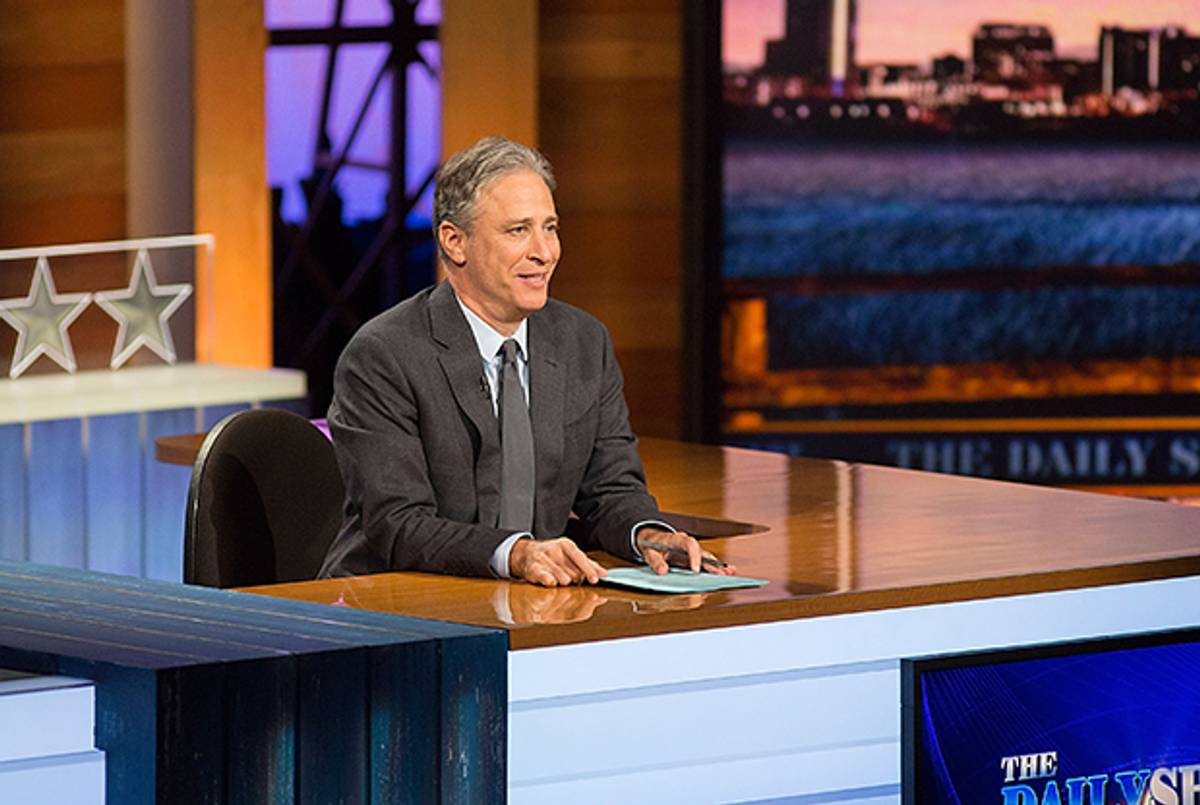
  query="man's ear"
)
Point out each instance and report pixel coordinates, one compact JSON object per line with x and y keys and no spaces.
{"x":454,"y":243}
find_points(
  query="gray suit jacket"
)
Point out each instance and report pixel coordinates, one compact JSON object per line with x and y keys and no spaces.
{"x":419,"y":447}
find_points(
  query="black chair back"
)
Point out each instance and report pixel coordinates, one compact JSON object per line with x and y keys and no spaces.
{"x":264,"y":504}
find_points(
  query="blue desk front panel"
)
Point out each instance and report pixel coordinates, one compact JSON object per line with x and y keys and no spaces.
{"x":211,"y":416}
{"x":13,"y":486}
{"x":56,"y":493}
{"x":166,"y":496}
{"x":89,"y":493}
{"x":114,"y":479}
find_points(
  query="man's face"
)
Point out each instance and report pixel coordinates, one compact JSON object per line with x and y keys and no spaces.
{"x":501,"y":270}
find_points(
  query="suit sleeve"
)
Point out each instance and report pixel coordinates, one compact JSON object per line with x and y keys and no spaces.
{"x":612,"y":497}
{"x":376,"y":423}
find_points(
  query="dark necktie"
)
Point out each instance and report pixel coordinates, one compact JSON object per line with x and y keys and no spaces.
{"x":516,"y":445}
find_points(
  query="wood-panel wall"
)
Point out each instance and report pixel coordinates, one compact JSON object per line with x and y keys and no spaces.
{"x":489,"y":71}
{"x":64,"y":136}
{"x":607,"y":114}
{"x":609,"y":120}
{"x":62,"y":121}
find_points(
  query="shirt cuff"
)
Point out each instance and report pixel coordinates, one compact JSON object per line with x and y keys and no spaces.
{"x":499,"y":561}
{"x":643,"y":524}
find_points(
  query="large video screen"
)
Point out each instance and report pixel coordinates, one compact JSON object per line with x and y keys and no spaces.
{"x":929,"y":205}
{"x":1096,"y":723}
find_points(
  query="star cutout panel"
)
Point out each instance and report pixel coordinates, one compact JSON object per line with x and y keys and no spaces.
{"x":142,"y":312}
{"x":41,"y":320}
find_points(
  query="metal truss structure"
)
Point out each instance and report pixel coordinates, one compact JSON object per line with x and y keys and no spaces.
{"x":327,"y":282}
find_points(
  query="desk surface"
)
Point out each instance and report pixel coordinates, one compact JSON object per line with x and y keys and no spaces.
{"x":834,"y":538}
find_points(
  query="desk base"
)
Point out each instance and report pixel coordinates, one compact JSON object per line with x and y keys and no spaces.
{"x":806,"y":708}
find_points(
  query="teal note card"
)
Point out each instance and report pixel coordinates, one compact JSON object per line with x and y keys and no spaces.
{"x":676,"y":581}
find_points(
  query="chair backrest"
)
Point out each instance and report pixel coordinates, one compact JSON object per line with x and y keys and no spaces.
{"x":264,"y":504}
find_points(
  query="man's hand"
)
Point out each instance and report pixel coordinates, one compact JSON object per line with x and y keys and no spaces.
{"x":552,"y":563}
{"x":678,"y":549}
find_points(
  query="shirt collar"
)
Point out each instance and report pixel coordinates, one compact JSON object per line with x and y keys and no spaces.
{"x":487,"y":339}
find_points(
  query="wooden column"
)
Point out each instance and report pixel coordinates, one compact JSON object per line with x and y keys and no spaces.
{"x":158,"y":118}
{"x":231,"y":197}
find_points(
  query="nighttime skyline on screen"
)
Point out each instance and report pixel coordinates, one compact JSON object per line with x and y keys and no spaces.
{"x":1047,"y":64}
{"x":916,"y":31}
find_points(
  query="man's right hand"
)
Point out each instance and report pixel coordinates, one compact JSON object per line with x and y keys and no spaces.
{"x":552,"y":563}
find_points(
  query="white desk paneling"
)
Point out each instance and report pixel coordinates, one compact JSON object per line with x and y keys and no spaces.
{"x":805,"y":710}
{"x":47,"y":744}
{"x":76,"y":779}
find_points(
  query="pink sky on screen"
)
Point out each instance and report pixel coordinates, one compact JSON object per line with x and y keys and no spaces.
{"x":914,"y":31}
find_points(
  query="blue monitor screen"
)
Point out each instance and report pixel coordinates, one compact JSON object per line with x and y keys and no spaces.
{"x":1089,"y":725}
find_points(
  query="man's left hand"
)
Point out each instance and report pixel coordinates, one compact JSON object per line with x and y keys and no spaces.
{"x":678,"y":549}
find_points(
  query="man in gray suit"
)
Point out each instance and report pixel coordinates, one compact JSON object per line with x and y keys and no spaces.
{"x":479,"y":422}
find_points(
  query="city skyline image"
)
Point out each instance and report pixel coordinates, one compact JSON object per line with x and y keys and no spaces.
{"x":916,"y":31}
{"x":841,"y":68}
{"x":934,"y":204}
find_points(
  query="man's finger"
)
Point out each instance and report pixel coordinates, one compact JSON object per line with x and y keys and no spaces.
{"x":683,"y":551}
{"x":689,"y":551}
{"x":544,"y":565}
{"x":656,"y":561}
{"x":581,"y":566}
{"x":538,"y":574}
{"x":566,"y":563}
{"x":587,"y":568}
{"x":562,"y":573}
{"x":716,"y":566}
{"x":575,"y":562}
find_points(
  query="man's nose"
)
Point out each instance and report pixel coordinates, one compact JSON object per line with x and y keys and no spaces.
{"x":541,"y":250}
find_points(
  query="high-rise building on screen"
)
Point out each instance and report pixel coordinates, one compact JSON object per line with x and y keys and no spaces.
{"x":1156,"y":59}
{"x":1004,"y":53}
{"x":1124,"y":60}
{"x":1179,"y":59}
{"x":817,"y":46}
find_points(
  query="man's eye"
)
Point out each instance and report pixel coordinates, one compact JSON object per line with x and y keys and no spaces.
{"x":518,"y":230}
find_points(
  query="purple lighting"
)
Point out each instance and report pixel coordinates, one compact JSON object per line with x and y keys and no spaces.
{"x":294,"y":78}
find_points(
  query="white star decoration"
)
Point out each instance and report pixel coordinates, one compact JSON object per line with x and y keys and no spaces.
{"x":143,"y":309}
{"x":41,"y":321}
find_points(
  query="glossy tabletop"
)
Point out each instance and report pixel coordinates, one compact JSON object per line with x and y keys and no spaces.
{"x":831,"y":537}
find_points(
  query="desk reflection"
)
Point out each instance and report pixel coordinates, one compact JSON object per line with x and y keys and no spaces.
{"x":511,"y":603}
{"x":520,"y":604}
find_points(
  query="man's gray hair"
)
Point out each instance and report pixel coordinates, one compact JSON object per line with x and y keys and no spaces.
{"x":464,"y":176}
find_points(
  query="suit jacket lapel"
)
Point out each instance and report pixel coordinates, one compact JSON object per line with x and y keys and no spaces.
{"x":547,"y":398}
{"x":463,"y":367}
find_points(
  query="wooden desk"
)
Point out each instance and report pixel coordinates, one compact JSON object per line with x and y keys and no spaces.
{"x":181,"y":449}
{"x":834,"y":538}
{"x":867,"y":565}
